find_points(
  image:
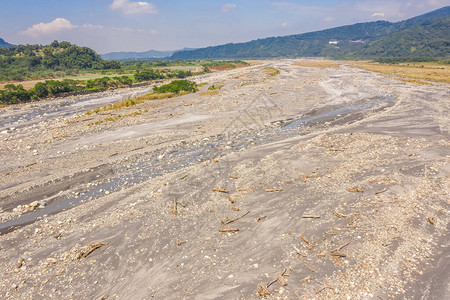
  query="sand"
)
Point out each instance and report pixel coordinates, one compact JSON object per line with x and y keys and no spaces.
{"x":335,"y":181}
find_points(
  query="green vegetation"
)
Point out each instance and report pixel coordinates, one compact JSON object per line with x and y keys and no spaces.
{"x":271,"y":71}
{"x":224,"y":64}
{"x":425,"y":35}
{"x":175,"y":87}
{"x":57,"y":59}
{"x":64,"y":59}
{"x":13,"y":94}
{"x":397,"y":60}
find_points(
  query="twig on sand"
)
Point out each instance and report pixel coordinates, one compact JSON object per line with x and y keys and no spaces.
{"x":379,"y":192}
{"x":339,"y":215}
{"x":355,"y":189}
{"x":340,"y":247}
{"x":228,"y":230}
{"x":260,"y":218}
{"x":310,"y":217}
{"x":175,"y":207}
{"x":304,"y":239}
{"x":310,"y":268}
{"x":235,"y":219}
{"x":220,"y":190}
{"x":92,"y":247}
{"x":272,"y":190}
{"x":263,"y":291}
{"x":280,"y":279}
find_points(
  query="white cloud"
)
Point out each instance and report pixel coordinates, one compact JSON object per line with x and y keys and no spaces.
{"x":379,"y":14}
{"x":227,"y":7}
{"x":284,"y":24}
{"x":330,"y":19}
{"x":45,"y":29}
{"x":134,"y":8}
{"x":437,"y":3}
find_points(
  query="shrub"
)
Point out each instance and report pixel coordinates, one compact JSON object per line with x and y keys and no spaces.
{"x":176,"y":86}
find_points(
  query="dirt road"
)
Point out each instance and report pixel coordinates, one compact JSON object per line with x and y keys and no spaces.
{"x":309,"y":184}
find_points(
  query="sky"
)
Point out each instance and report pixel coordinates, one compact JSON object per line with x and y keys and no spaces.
{"x":128,"y":25}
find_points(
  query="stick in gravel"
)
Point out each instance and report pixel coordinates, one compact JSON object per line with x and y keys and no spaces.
{"x":379,"y":192}
{"x":304,"y":239}
{"x":310,"y":217}
{"x":228,"y":230}
{"x":280,"y":279}
{"x":220,"y":190}
{"x":339,"y":254}
{"x":175,"y":208}
{"x":235,"y":219}
{"x":340,"y":247}
{"x":272,"y":190}
{"x":92,"y":249}
{"x":310,"y":268}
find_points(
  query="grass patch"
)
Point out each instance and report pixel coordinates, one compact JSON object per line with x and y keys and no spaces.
{"x":135,"y":101}
{"x":271,"y":71}
{"x":316,"y":64}
{"x":416,"y":71}
{"x":209,"y":93}
{"x":116,"y":118}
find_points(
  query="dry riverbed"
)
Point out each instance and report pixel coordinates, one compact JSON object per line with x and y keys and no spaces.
{"x":312,"y":183}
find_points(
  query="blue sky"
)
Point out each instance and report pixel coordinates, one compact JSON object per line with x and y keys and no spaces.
{"x":128,"y":25}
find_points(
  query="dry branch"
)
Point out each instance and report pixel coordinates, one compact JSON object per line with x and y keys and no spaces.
{"x":228,"y":230}
{"x":92,"y":247}
{"x":272,"y":190}
{"x":235,"y":219}
{"x":220,"y":190}
{"x":310,"y":217}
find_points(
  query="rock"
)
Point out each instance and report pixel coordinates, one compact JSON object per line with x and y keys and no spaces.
{"x":34,"y":204}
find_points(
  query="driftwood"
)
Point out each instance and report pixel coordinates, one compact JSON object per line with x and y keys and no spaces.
{"x":228,"y":230}
{"x":235,"y":219}
{"x":272,"y":190}
{"x":220,"y":190}
{"x":310,"y":217}
{"x":92,"y":247}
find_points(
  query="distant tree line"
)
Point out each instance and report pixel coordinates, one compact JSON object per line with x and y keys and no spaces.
{"x":27,"y":61}
{"x":13,"y":94}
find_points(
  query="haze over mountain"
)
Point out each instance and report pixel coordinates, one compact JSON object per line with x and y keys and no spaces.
{"x":424,"y":35}
{"x":151,"y":54}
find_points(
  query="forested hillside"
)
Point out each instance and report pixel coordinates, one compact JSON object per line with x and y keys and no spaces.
{"x":425,"y":35}
{"x":27,"y":61}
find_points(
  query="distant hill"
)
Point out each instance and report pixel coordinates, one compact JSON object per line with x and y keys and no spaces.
{"x":426,"y":35}
{"x":151,"y":54}
{"x":4,"y":44}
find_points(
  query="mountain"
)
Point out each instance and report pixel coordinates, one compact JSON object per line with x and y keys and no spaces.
{"x":422,"y":35}
{"x":4,"y":44}
{"x":151,"y":54}
{"x":423,"y":40}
